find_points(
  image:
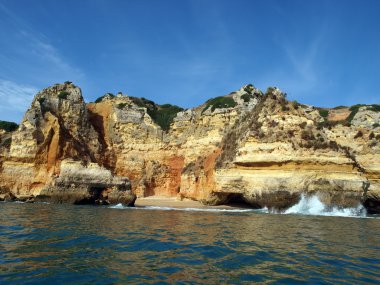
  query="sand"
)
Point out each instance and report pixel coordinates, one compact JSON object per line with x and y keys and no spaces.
{"x":172,"y":202}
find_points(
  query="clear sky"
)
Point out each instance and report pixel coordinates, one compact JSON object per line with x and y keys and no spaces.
{"x":320,"y":52}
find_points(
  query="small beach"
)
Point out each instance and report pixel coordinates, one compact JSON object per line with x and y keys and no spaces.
{"x":173,"y":202}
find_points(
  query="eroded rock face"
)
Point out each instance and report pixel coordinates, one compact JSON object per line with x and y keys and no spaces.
{"x":366,"y":118}
{"x":264,"y":151}
{"x":90,"y":184}
{"x":56,"y":127}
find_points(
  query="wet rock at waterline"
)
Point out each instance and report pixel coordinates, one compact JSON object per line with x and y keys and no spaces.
{"x":90,"y":184}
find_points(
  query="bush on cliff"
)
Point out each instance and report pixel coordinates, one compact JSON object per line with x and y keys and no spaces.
{"x":324,"y":113}
{"x":374,"y":108}
{"x":121,"y":105}
{"x":165,"y":115}
{"x":246,"y":97}
{"x":219,"y":103}
{"x":8,"y":126}
{"x":339,"y":107}
{"x":162,"y":115}
{"x":100,"y":99}
{"x":63,"y":95}
{"x":249,"y":88}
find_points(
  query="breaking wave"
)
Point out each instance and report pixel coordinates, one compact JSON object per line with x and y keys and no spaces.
{"x":308,"y":205}
{"x":311,"y":205}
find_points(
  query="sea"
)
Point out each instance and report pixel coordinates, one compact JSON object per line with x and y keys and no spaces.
{"x":70,"y":244}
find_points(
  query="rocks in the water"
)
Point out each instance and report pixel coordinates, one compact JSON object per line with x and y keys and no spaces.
{"x":87,"y":184}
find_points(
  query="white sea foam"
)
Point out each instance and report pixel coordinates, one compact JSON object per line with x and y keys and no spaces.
{"x":308,"y":205}
{"x":120,"y":206}
{"x":311,"y":205}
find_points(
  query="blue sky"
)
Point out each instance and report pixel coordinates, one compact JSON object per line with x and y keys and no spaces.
{"x":324,"y":53}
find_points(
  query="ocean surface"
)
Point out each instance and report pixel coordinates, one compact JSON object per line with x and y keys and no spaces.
{"x":67,"y":244}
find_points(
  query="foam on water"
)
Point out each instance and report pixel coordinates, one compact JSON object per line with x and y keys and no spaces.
{"x":120,"y":206}
{"x":308,"y":205}
{"x":311,"y":205}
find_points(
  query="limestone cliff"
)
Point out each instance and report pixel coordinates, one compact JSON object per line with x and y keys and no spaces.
{"x":247,"y":146}
{"x":56,"y":127}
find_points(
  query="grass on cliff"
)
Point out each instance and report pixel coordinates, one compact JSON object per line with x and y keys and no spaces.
{"x":219,"y":103}
{"x":162,"y":115}
{"x":323,"y":112}
{"x":8,"y":126}
{"x":165,"y":115}
{"x":100,"y":99}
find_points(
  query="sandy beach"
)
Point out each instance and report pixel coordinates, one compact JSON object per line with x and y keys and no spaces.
{"x":172,"y":202}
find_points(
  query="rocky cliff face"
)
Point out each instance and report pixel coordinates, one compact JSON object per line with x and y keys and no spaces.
{"x":246,"y":146}
{"x":55,"y":128}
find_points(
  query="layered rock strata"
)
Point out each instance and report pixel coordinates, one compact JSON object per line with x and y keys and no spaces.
{"x":90,"y":184}
{"x":55,"y":128}
{"x":260,"y":149}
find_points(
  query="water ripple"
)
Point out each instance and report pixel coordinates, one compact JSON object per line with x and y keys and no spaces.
{"x":43,"y":244}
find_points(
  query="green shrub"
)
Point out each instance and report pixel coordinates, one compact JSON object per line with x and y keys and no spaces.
{"x":339,"y":107}
{"x":323,"y":112}
{"x":142,"y":102}
{"x":219,"y":103}
{"x":162,"y":115}
{"x":63,"y":95}
{"x":284,"y":108}
{"x":375,"y":108}
{"x":246,"y":97}
{"x":8,"y":126}
{"x":68,"y":82}
{"x":41,"y":100}
{"x":249,"y":88}
{"x":100,"y":99}
{"x":270,"y":90}
{"x":121,"y":105}
{"x":331,"y":124}
{"x":375,"y":125}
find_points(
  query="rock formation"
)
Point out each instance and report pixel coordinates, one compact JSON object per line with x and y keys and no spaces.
{"x":246,"y":146}
{"x":55,"y":128}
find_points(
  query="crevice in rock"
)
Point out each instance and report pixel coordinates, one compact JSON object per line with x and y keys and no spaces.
{"x":372,"y":206}
{"x":238,"y":132}
{"x":237,"y":200}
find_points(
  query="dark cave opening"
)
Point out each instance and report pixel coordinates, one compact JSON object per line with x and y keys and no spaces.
{"x":237,"y":200}
{"x":95,"y":197}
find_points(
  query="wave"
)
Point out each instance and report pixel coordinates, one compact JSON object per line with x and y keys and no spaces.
{"x":311,"y":205}
{"x":120,"y":206}
{"x":308,"y":205}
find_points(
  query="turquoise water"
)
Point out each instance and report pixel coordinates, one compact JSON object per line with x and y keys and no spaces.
{"x":65,"y":244}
